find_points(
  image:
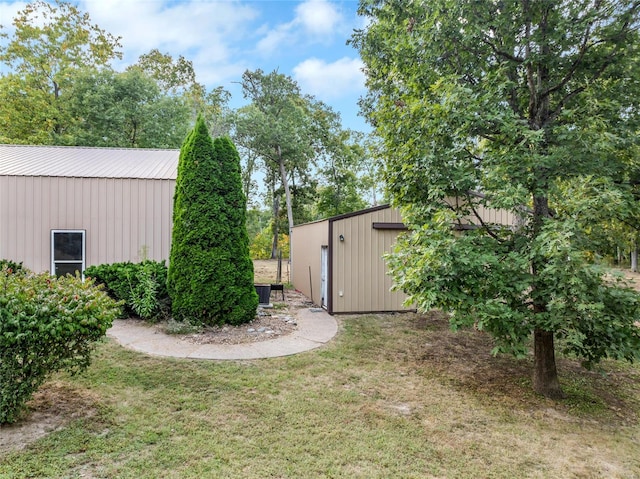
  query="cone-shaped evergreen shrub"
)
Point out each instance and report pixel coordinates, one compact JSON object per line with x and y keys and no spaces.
{"x":210,"y":277}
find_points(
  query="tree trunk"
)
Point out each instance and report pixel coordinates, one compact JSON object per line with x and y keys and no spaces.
{"x":274,"y":243}
{"x":634,"y":257}
{"x":287,"y":194}
{"x":545,"y":375}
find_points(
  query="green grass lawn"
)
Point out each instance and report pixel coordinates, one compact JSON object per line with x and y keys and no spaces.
{"x":393,"y":396}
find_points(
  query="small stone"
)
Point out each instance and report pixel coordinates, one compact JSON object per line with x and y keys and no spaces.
{"x":262,"y":330}
{"x":251,"y":330}
{"x":269,"y":331}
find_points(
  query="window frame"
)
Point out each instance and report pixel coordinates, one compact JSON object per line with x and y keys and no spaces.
{"x":54,"y":262}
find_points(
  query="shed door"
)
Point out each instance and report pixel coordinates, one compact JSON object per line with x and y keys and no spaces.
{"x":324,"y":271}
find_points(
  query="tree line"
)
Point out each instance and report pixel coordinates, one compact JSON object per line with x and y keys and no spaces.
{"x":59,"y":87}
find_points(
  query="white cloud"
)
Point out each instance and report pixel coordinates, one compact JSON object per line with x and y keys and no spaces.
{"x":204,"y":32}
{"x":8,"y":12}
{"x":273,"y":39}
{"x":314,"y":21}
{"x":327,"y":81}
{"x":318,"y":17}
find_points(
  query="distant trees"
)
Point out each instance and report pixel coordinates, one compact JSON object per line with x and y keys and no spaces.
{"x":210,"y":278}
{"x":51,"y":44}
{"x":299,"y":142}
{"x":62,"y":90}
{"x":124,"y":110}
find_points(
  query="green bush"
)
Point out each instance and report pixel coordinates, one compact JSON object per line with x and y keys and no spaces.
{"x":141,"y":286}
{"x":46,"y":325}
{"x":12,"y":266}
{"x":210,"y":278}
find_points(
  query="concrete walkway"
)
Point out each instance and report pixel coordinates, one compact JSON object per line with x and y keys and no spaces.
{"x":315,"y":328}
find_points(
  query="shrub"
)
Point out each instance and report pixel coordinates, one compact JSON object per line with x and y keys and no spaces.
{"x":12,"y":266}
{"x":46,"y":325}
{"x":141,"y":286}
{"x":210,"y":278}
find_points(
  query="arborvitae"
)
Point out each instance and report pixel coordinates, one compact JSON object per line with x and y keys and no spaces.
{"x":210,"y":278}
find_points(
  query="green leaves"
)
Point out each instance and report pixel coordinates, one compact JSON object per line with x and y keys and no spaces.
{"x":210,"y":278}
{"x":530,"y":108}
{"x":47,"y":324}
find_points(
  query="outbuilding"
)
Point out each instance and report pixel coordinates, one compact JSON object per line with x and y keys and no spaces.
{"x":65,"y":208}
{"x":339,"y":262}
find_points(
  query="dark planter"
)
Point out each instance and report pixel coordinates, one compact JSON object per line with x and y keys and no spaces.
{"x":264,"y":293}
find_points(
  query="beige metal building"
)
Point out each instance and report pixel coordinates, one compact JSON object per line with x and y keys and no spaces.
{"x":338,"y":262}
{"x":65,"y":208}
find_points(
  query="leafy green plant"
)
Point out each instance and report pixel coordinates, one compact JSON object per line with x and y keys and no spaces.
{"x":141,"y":286}
{"x":46,"y":325}
{"x":181,"y":327}
{"x":210,"y":277}
{"x":11,"y":266}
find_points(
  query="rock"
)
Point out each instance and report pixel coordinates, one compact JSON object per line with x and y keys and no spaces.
{"x":251,"y":330}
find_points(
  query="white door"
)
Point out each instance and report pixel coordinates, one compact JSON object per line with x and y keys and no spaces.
{"x":324,"y":271}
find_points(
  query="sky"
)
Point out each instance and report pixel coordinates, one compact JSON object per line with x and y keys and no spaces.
{"x":305,"y":40}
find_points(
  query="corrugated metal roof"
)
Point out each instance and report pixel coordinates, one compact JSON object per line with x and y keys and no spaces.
{"x":87,"y":162}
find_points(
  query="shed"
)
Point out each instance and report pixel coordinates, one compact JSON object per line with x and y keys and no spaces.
{"x":65,"y":208}
{"x":338,"y":263}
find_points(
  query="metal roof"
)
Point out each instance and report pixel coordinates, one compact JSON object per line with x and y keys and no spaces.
{"x":88,"y":162}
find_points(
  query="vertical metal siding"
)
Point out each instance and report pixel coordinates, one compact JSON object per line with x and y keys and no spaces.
{"x":306,"y":244}
{"x":122,"y":217}
{"x":360,"y":279}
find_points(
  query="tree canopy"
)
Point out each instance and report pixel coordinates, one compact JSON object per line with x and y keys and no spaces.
{"x":300,"y":143}
{"x":50,"y":44}
{"x":530,"y":107}
{"x":124,"y":110}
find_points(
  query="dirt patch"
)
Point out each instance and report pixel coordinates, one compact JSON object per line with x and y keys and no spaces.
{"x":51,"y":408}
{"x":463,"y":359}
{"x":635,"y":277}
{"x":266,"y":270}
{"x":271,"y":322}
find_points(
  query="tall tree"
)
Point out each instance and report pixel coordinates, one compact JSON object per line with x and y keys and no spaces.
{"x":293,"y":134}
{"x":125,"y":110}
{"x":515,"y":99}
{"x":341,"y":162}
{"x":276,"y":126}
{"x":210,"y":277}
{"x":51,"y":42}
{"x":177,"y":78}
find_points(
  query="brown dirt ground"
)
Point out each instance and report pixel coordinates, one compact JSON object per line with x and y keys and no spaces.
{"x":270,"y":323}
{"x":51,"y":408}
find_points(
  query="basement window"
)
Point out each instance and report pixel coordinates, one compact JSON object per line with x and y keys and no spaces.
{"x":67,"y":252}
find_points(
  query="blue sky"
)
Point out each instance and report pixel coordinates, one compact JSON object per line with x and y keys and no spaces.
{"x":303,"y":39}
